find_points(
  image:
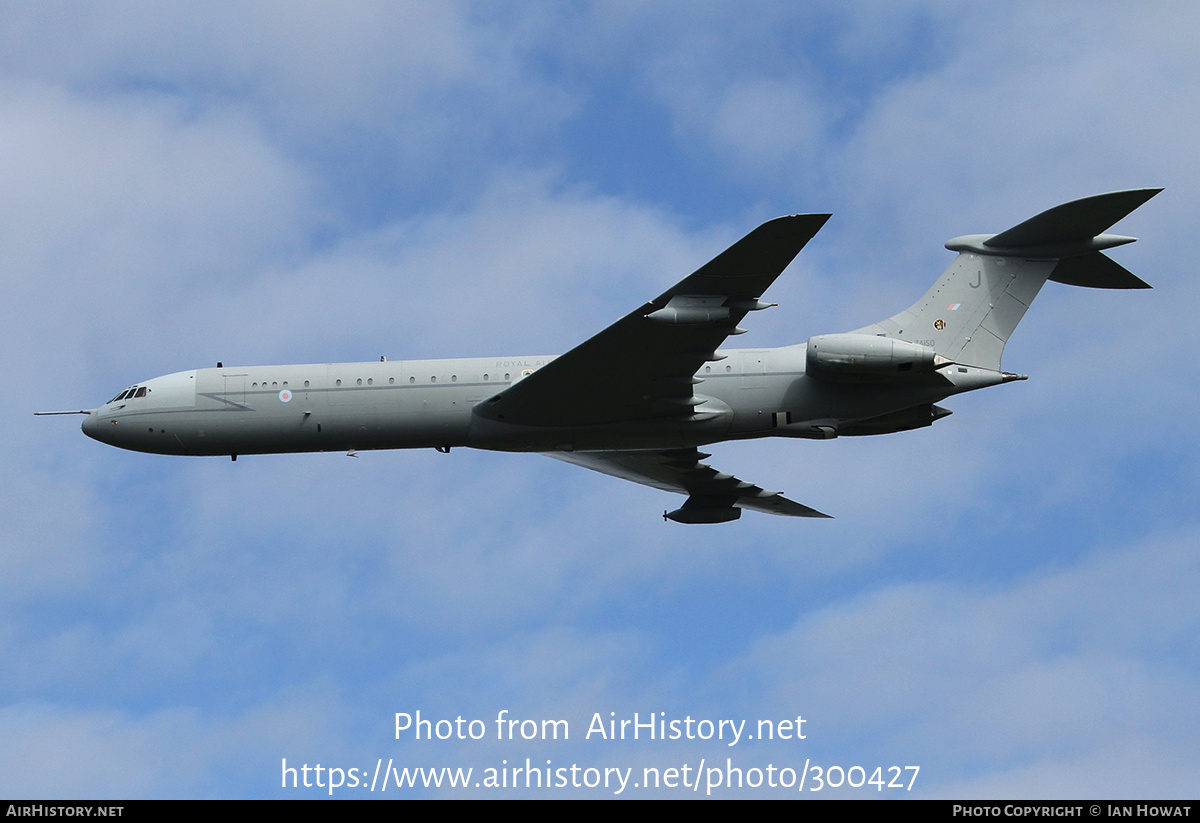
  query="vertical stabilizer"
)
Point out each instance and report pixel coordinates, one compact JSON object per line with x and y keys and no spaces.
{"x":976,"y":304}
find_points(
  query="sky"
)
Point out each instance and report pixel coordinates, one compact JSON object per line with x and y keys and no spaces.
{"x":1004,"y":600}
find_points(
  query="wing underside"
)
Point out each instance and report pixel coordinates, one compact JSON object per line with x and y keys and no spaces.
{"x":643,"y":369}
{"x":642,"y":366}
{"x":713,"y":497}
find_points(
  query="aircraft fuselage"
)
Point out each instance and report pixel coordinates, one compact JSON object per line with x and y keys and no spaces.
{"x":404,"y":404}
{"x":638,"y":399}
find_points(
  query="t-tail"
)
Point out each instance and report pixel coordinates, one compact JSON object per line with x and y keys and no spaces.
{"x":971,"y":311}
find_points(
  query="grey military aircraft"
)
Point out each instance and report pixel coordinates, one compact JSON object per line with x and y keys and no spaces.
{"x":637,"y":400}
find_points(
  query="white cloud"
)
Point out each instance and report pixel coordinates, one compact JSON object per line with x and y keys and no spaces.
{"x":1029,"y":679}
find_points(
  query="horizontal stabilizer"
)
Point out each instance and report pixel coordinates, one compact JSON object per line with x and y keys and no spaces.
{"x":1074,"y":221}
{"x":1097,"y":271}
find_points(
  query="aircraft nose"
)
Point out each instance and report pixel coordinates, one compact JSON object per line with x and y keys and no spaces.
{"x":91,"y":426}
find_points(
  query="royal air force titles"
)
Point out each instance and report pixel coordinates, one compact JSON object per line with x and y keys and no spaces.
{"x":652,"y":726}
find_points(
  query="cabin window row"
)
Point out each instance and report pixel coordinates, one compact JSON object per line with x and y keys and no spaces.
{"x":276,"y":384}
{"x":412,"y":380}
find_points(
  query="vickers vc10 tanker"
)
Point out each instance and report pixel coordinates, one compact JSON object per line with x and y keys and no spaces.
{"x":640,"y":398}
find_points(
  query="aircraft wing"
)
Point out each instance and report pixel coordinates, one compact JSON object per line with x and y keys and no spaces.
{"x":713,"y":497}
{"x":641,"y":367}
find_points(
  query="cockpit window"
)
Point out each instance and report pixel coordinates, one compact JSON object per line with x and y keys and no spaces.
{"x":130,"y":393}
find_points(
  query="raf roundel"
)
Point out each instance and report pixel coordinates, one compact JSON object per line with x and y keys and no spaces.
{"x":285,"y":396}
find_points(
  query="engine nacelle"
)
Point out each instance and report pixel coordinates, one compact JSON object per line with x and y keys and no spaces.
{"x":703,"y":514}
{"x":855,"y":357}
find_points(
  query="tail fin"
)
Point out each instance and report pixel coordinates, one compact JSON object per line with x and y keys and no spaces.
{"x":973,"y":308}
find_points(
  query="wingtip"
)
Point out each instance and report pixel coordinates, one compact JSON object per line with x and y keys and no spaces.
{"x":1140,"y":195}
{"x":822,"y":218}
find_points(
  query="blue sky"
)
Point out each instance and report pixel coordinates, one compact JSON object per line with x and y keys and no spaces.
{"x":1004,"y":599}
